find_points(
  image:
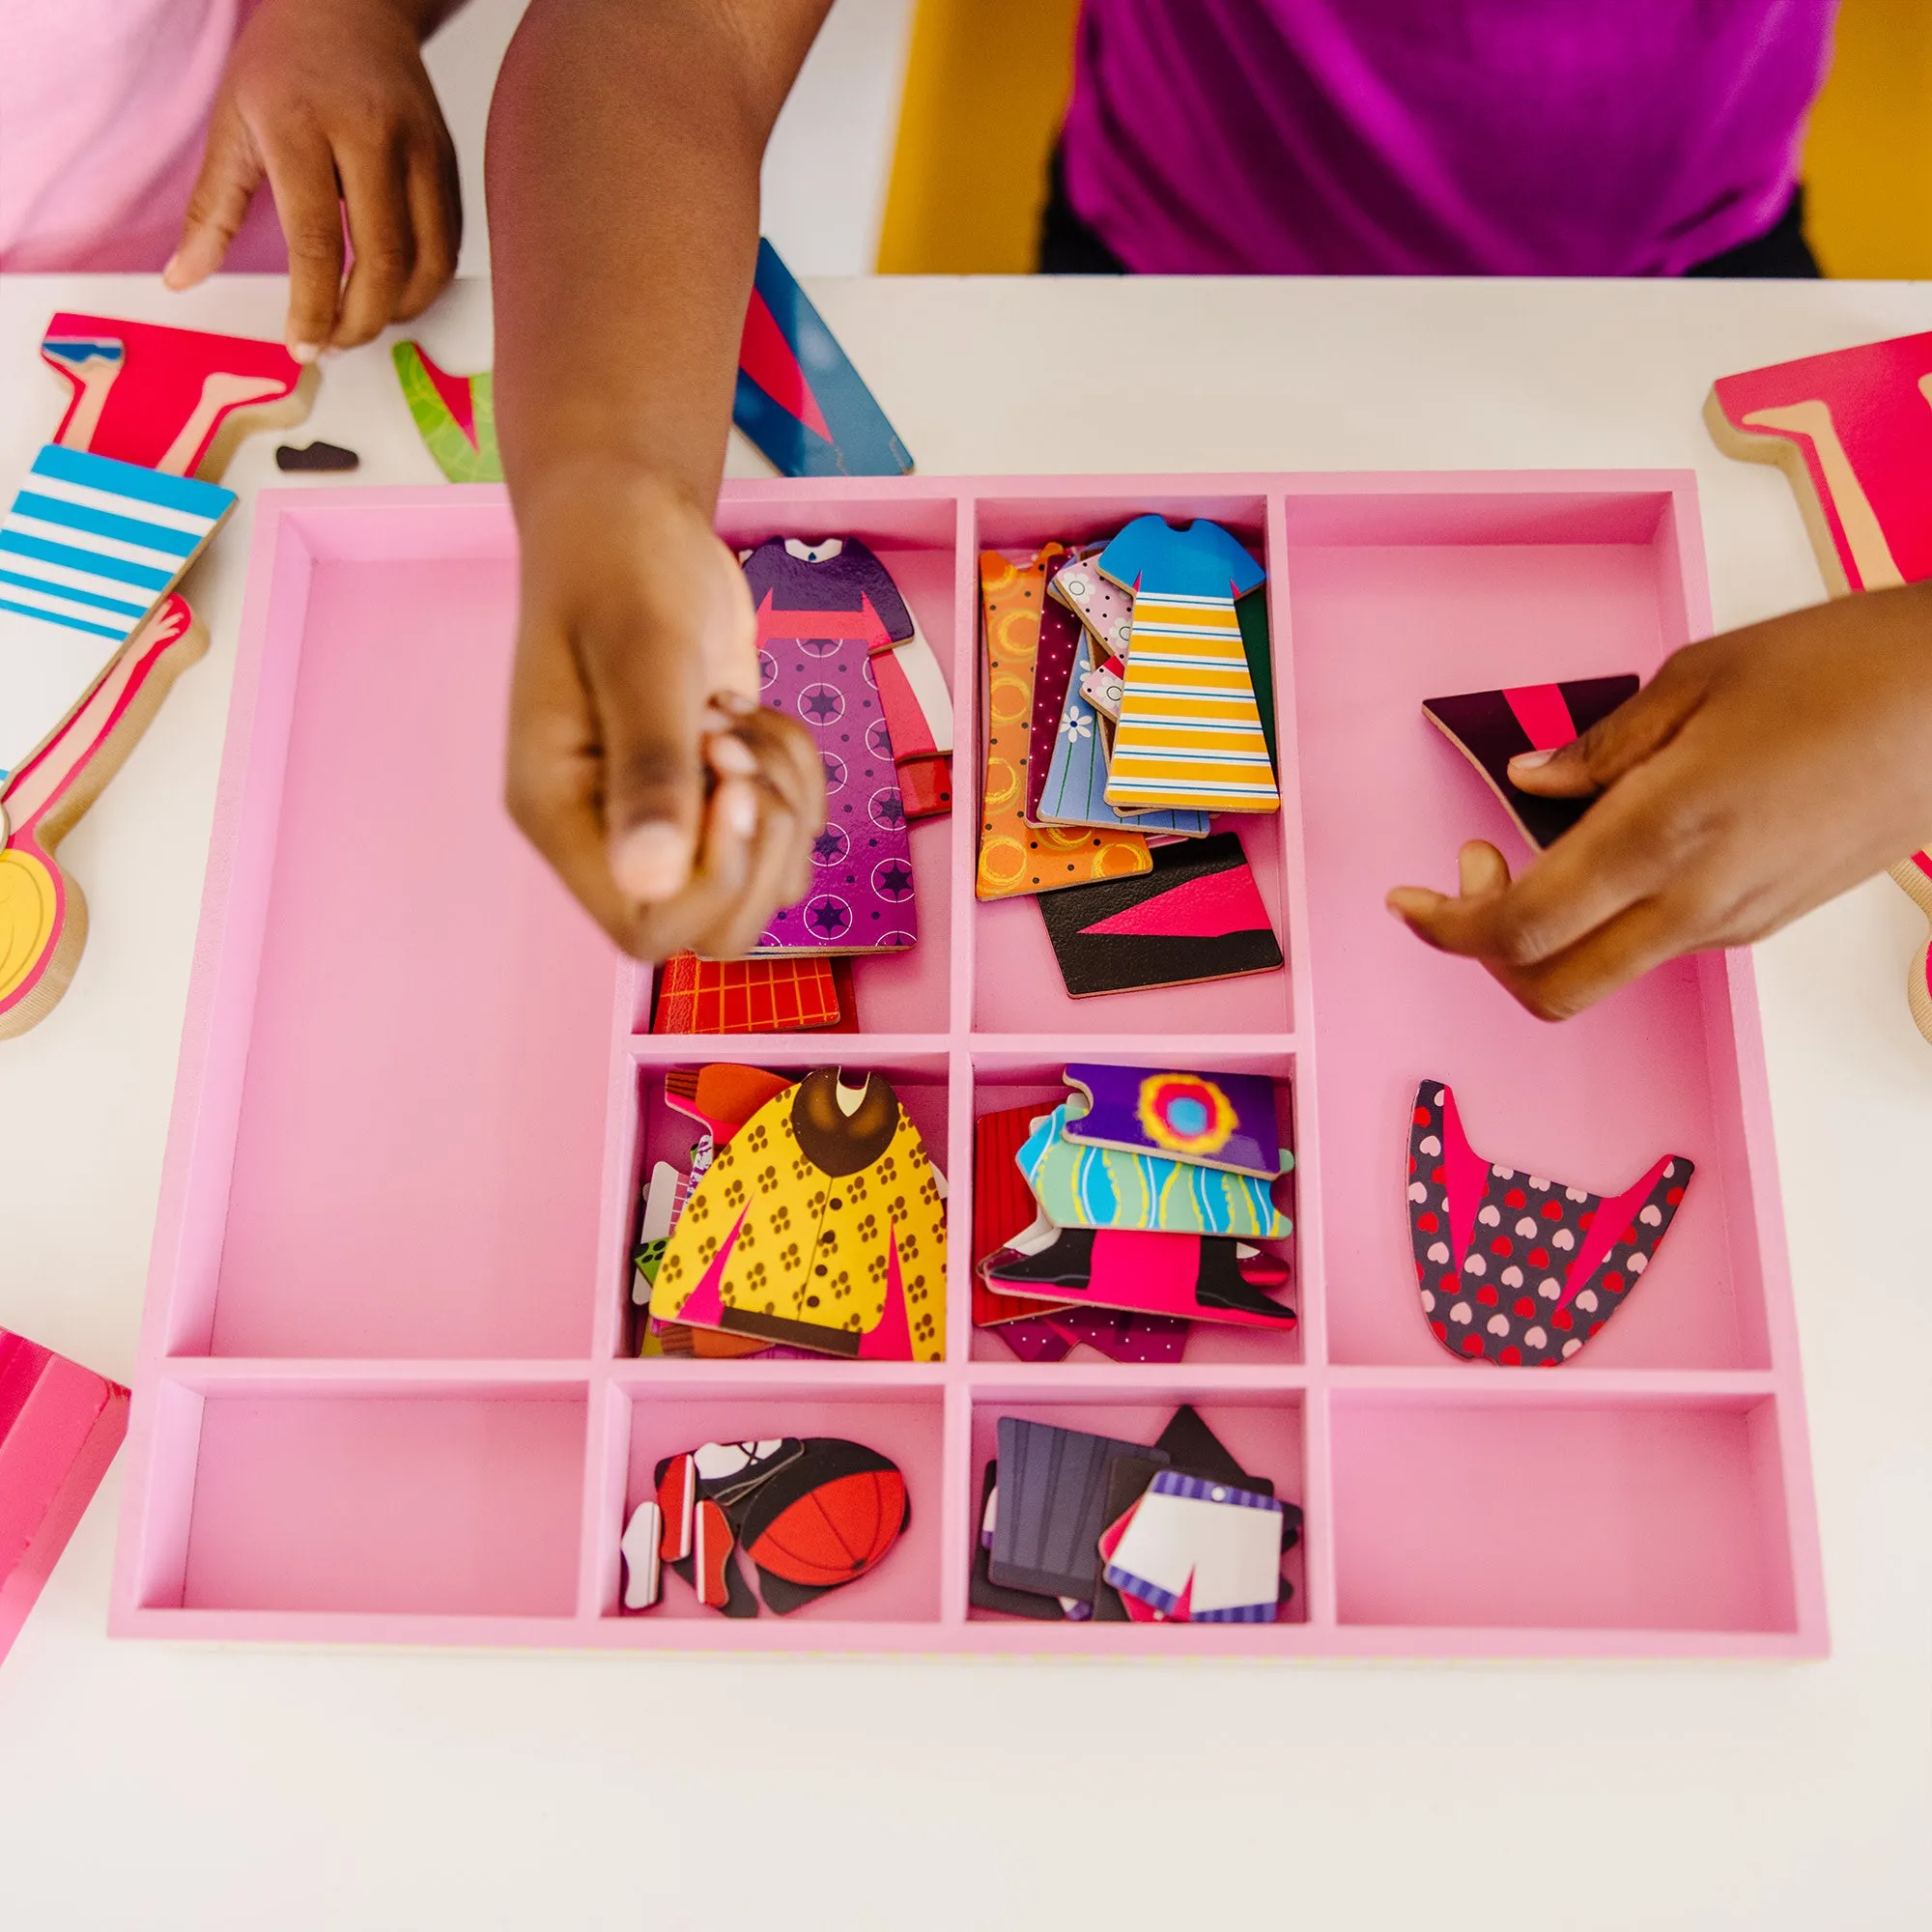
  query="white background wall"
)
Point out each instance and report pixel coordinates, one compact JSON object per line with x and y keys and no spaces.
{"x":825,"y":172}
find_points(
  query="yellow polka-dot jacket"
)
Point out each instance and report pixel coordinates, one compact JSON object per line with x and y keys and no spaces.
{"x":804,"y":1218}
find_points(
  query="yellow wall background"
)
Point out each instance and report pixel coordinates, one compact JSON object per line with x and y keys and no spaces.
{"x":1868,"y":158}
{"x":986,"y":82}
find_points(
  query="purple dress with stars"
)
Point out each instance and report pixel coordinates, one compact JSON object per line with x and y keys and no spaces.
{"x":819,"y":606}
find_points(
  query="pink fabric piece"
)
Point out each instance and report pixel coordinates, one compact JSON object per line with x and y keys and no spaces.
{"x":891,"y":1339}
{"x":1223,"y":902}
{"x":104,"y":107}
{"x":1466,"y":1174}
{"x":1612,"y":1223}
{"x":455,"y":393}
{"x":768,"y":358}
{"x":60,"y":1425}
{"x":1540,"y":709}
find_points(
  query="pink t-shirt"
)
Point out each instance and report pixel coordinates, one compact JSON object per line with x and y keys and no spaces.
{"x":1472,"y":137}
{"x":103,"y":105}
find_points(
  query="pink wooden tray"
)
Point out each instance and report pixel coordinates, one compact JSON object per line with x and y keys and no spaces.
{"x":385,"y":1392}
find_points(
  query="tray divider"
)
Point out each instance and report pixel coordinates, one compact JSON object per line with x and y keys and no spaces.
{"x":957,"y":1490}
{"x":968,"y":760}
{"x":1310,"y":1271}
{"x":779,"y":1049}
{"x":368,"y":1375}
{"x":1574,"y":1386}
{"x":606,"y":1443}
{"x":623,"y":1164}
{"x":1318,"y":1503}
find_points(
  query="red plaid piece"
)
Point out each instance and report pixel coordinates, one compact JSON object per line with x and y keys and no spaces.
{"x":745,"y":995}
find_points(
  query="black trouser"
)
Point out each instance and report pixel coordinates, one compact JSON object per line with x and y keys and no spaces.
{"x":1068,"y":246}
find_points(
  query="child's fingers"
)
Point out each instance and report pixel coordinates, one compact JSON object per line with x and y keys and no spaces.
{"x":376,"y":195}
{"x":552,"y":790}
{"x":700,"y":915}
{"x":788,"y":762}
{"x":230,"y":171}
{"x":436,"y":220}
{"x":769,"y":860}
{"x":1624,"y":949}
{"x":1638,"y":730}
{"x":649,"y":711}
{"x":1620,"y":854}
{"x":301,"y":172}
{"x":551,"y":785}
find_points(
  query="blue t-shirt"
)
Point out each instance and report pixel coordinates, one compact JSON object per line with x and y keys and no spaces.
{"x":1199,"y":560}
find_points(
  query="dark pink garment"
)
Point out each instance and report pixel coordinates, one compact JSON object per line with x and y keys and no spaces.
{"x":1488,"y":137}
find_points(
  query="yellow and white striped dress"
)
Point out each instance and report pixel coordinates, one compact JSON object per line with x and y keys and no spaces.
{"x":1190,"y":731}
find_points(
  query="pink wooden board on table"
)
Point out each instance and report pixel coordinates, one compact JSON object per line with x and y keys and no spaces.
{"x":419,"y":1096}
{"x":60,"y":1425}
{"x":1853,"y":430}
{"x":170,"y":399}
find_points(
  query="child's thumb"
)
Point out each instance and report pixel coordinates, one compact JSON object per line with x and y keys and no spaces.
{"x":230,"y":171}
{"x":1638,"y":730}
{"x":653,"y":725}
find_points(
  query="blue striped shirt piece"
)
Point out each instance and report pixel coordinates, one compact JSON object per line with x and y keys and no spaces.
{"x":92,"y":545}
{"x":87,"y":549}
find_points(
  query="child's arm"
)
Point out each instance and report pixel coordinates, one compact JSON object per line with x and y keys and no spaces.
{"x":1757,"y":775}
{"x":625,"y":143}
{"x":328,"y":101}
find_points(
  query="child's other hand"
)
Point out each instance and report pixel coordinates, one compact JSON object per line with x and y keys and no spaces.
{"x":635,"y":694}
{"x":330,"y":101}
{"x":1758,"y":774}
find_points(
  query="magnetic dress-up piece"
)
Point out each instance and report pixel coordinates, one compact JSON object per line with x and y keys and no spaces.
{"x":819,"y":1224}
{"x":1514,"y":1268}
{"x":815,"y":666}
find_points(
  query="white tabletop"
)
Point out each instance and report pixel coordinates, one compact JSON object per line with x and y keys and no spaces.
{"x":156,"y":1787}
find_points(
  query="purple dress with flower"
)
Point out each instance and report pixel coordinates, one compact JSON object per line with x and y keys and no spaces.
{"x":819,"y":606}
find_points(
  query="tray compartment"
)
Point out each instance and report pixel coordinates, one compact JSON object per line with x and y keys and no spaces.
{"x":1264,"y":1431}
{"x":1594,"y":1511}
{"x":662,"y":1133}
{"x":916,"y":537}
{"x":308,"y":1494}
{"x":1017,"y":983}
{"x":1003,"y":1078}
{"x":1555,"y":591}
{"x":419,"y":1129}
{"x":657,"y":1418}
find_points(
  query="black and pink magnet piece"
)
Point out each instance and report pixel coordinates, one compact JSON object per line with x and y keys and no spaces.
{"x":1513,"y":1269}
{"x":1198,"y":915}
{"x":1194,"y":1277}
{"x":1490,"y":728}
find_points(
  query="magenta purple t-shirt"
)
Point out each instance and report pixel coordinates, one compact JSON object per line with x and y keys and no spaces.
{"x":1482,"y":137}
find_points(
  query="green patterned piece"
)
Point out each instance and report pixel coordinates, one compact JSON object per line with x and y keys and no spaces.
{"x":463,"y":454}
{"x":1080,"y":1185}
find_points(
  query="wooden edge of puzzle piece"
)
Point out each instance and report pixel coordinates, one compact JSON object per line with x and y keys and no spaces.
{"x":43,"y":910}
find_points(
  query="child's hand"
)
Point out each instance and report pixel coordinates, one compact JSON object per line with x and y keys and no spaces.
{"x":1757,"y":775}
{"x":329,"y":100}
{"x":636,"y":691}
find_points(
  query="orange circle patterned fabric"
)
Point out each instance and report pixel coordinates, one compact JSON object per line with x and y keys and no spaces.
{"x":1016,"y":857}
